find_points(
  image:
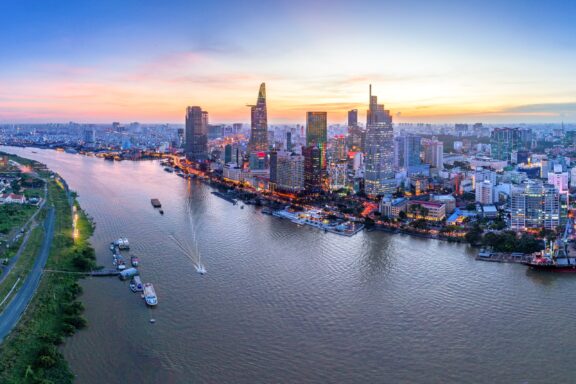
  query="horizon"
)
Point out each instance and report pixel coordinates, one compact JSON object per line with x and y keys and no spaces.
{"x":440,"y":63}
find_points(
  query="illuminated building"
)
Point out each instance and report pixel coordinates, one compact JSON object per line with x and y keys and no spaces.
{"x":427,"y":210}
{"x":390,"y":207}
{"x":312,"y":168}
{"x":287,"y":171}
{"x":257,"y":161}
{"x":558,"y":179}
{"x":317,"y":133}
{"x":338,"y":149}
{"x":196,"y":134}
{"x":259,"y":123}
{"x":535,"y":205}
{"x":379,"y":177}
{"x":337,"y":175}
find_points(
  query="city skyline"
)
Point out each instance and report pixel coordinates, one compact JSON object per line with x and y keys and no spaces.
{"x":439,"y":63}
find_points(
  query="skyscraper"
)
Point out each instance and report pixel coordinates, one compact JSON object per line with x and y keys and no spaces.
{"x":259,"y":126}
{"x":536,"y":205}
{"x":379,"y":152}
{"x":317,"y":133}
{"x":196,"y":140}
{"x":353,"y":118}
{"x":312,"y":168}
{"x":407,"y":151}
{"x":503,"y":141}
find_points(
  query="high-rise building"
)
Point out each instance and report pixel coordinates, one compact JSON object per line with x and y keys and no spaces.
{"x":289,"y":141}
{"x":287,"y":171}
{"x":353,"y":118}
{"x":503,"y":141}
{"x":317,"y":133}
{"x":484,"y":192}
{"x":227,"y":153}
{"x":379,"y":177}
{"x":196,"y":135}
{"x":89,"y":135}
{"x":312,"y":168}
{"x":536,"y":205}
{"x":434,"y":153}
{"x":407,"y":151}
{"x":259,"y":123}
{"x":559,"y":179}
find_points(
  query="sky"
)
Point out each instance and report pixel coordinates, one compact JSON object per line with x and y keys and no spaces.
{"x":442,"y":61}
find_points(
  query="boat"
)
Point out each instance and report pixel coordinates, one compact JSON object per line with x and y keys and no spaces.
{"x":134,"y":261}
{"x":136,"y":284}
{"x":161,"y":211}
{"x":122,"y":243}
{"x":168,"y":169}
{"x":150,"y":294}
{"x":155,"y":203}
{"x":555,"y":255}
{"x":128,"y":273}
{"x":121,"y":265}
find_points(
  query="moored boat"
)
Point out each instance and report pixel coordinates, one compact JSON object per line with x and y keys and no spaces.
{"x":135,"y":261}
{"x":136,"y":284}
{"x":150,"y":294}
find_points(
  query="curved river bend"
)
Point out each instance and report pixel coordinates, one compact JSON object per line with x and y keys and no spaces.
{"x":288,"y":304}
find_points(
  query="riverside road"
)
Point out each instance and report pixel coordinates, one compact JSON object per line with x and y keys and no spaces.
{"x":11,"y":315}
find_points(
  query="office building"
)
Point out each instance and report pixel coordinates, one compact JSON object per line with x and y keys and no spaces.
{"x":259,"y":123}
{"x":503,"y":141}
{"x":312,"y":169}
{"x":317,"y":133}
{"x":196,"y":134}
{"x":379,"y":176}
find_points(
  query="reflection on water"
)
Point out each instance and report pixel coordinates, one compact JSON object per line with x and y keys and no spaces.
{"x":289,"y":304}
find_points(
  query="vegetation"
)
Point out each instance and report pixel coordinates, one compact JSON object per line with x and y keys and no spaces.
{"x":30,"y":353}
{"x":14,"y":216}
{"x":508,"y":241}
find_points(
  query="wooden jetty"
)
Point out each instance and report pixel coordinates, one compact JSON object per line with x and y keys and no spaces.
{"x":504,"y":257}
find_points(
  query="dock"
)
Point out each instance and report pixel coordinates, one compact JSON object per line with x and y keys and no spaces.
{"x":98,"y":273}
{"x":155,"y":203}
{"x":504,"y":257}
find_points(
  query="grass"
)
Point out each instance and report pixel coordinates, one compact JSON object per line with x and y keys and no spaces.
{"x":14,"y":216}
{"x":24,"y":263}
{"x":30,"y":353}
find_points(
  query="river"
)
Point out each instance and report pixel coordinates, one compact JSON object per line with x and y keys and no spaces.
{"x":288,"y":304}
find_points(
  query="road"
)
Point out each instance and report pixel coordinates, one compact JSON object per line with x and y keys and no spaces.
{"x":11,"y":315}
{"x":6,"y":269}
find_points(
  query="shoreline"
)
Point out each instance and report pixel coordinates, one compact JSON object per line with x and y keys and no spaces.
{"x":32,"y":349}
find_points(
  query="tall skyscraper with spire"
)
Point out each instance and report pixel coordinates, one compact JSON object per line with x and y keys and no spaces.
{"x":379,"y":176}
{"x":259,"y":128}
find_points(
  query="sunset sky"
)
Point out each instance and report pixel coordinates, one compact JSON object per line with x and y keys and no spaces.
{"x":428,"y":61}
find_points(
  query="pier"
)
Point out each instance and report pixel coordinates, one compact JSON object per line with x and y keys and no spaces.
{"x":100,"y":272}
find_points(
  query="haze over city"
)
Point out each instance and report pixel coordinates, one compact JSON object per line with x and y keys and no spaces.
{"x":441,"y":61}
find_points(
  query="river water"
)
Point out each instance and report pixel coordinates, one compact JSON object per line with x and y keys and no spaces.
{"x":288,"y":304}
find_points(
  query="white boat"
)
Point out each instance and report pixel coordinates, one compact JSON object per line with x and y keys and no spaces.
{"x":150,"y":294}
{"x":136,"y":284}
{"x":200,"y":268}
{"x":122,"y":243}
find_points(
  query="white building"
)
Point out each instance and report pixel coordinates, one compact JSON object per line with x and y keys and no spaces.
{"x":484,"y":192}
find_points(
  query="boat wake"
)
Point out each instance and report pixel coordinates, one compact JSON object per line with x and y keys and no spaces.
{"x":200,"y":268}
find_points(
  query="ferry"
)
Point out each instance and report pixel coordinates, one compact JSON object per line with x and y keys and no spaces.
{"x":150,"y":295}
{"x":134,"y":261}
{"x":136,"y":284}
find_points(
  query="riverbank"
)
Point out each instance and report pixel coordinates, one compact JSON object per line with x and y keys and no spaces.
{"x":30,"y":353}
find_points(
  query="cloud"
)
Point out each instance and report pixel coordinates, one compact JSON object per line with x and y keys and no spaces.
{"x":551,"y":108}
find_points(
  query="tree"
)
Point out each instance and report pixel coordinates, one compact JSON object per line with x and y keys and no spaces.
{"x":474,"y":235}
